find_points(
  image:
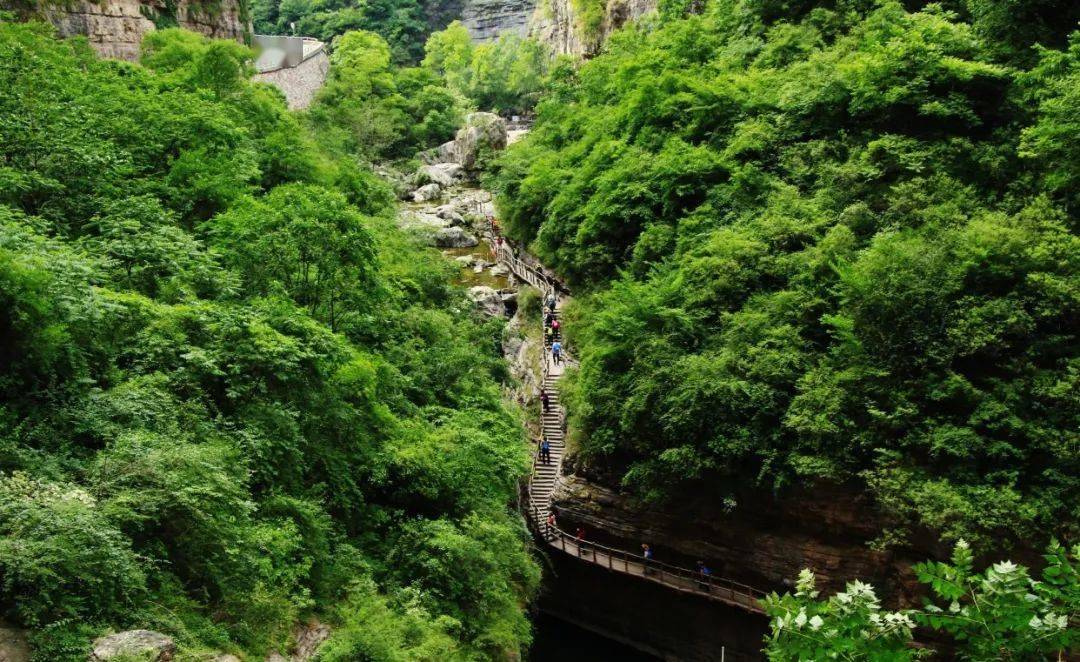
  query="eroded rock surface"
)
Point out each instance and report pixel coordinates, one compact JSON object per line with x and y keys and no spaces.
{"x":138,"y":644}
{"x":486,"y":20}
{"x":453,"y":237}
{"x":557,"y":24}
{"x":487,"y":299}
{"x":443,"y":174}
{"x":115,"y":28}
{"x":763,"y":541}
{"x":483,"y":132}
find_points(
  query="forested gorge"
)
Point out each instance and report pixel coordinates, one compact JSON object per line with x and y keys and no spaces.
{"x":810,"y":244}
{"x":824,"y":242}
{"x":232,"y":394}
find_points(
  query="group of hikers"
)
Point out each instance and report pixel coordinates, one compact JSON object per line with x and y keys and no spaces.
{"x":552,"y":328}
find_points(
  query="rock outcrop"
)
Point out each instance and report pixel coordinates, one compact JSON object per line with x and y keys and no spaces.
{"x":427,"y":193}
{"x":556,"y":24}
{"x":482,"y":133}
{"x":488,"y":300}
{"x":307,"y":638}
{"x":137,"y":644}
{"x":486,"y":20}
{"x":115,"y":28}
{"x":453,"y":237}
{"x":764,"y":541}
{"x":443,"y":174}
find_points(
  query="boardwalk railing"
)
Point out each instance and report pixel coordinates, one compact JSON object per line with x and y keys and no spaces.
{"x":685,"y":580}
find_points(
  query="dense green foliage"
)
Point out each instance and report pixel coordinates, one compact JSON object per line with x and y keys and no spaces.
{"x":999,"y":614}
{"x":231,"y":393}
{"x":405,"y":24}
{"x":824,"y":242}
{"x":505,"y":75}
{"x":372,"y":107}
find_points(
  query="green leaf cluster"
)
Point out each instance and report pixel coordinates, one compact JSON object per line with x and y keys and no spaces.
{"x":1001,"y":613}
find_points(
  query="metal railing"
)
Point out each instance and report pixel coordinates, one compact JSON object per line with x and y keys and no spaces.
{"x":681,"y":579}
{"x":618,"y":560}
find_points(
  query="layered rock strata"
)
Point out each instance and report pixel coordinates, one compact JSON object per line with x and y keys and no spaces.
{"x":115,"y":28}
{"x":763,"y":541}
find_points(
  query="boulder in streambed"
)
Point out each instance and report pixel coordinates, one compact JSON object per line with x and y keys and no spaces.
{"x":453,"y":237}
{"x":137,"y":644}
{"x":450,"y":213}
{"x":421,"y":220}
{"x":443,"y":174}
{"x":427,"y":192}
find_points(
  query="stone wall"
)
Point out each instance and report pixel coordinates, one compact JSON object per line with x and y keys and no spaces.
{"x":300,"y":83}
{"x":115,"y":28}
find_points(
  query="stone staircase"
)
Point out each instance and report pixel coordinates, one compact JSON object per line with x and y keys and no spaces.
{"x":552,"y":426}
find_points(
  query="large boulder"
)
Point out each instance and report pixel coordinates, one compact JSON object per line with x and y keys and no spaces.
{"x":482,"y":132}
{"x":134,"y":644}
{"x":453,"y":237}
{"x":421,"y":220}
{"x":427,"y":192}
{"x":488,"y":300}
{"x":450,"y":214}
{"x":443,"y":174}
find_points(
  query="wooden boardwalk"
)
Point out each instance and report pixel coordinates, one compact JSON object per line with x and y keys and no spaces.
{"x":544,"y":475}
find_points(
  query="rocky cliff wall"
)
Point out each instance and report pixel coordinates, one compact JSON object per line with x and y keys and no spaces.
{"x":765,"y":541}
{"x":487,"y":19}
{"x":115,"y":28}
{"x":556,"y":23}
{"x":553,"y":22}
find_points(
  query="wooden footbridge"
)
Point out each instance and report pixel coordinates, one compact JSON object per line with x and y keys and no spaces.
{"x":544,"y":474}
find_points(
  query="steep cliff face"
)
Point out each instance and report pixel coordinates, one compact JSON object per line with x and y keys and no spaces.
{"x":487,"y":19}
{"x":553,"y":22}
{"x":115,"y":28}
{"x":765,"y":541}
{"x":557,"y":23}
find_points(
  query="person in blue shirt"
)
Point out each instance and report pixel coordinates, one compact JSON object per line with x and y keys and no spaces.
{"x":556,"y":352}
{"x":703,"y":576}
